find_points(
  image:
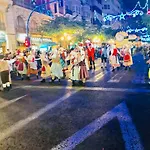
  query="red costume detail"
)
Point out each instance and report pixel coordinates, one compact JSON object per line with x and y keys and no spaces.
{"x":91,"y":53}
{"x":115,"y":51}
{"x":127,"y":57}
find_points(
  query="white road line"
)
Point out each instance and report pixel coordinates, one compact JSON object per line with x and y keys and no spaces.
{"x":102,"y":75}
{"x":20,"y":124}
{"x":129,"y":132}
{"x":117,"y":90}
{"x":113,"y":80}
{"x":135,"y":90}
{"x":9,"y":102}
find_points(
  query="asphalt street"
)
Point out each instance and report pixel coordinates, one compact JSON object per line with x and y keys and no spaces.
{"x":110,"y":113}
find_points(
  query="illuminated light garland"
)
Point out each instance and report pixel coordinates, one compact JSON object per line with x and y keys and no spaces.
{"x":138,"y":4}
{"x":144,"y":29}
{"x":123,"y":16}
{"x":145,"y":38}
{"x":133,"y":13}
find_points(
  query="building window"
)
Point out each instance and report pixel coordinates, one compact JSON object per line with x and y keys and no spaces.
{"x":20,"y":25}
{"x":107,"y":23}
{"x":77,"y":9}
{"x":106,"y":7}
{"x":74,"y":8}
{"x":55,"y":8}
{"x":61,"y":3}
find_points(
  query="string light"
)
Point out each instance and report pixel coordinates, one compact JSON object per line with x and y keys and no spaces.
{"x":123,"y":16}
{"x":135,"y":12}
{"x":129,"y":30}
{"x":145,"y":39}
{"x":138,"y":4}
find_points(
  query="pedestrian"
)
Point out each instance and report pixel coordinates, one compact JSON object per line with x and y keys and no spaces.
{"x":127,"y":59}
{"x":114,"y":60}
{"x":38,"y":59}
{"x":91,"y":56}
{"x":104,"y":56}
{"x":56,"y":68}
{"x":75,"y":68}
{"x":32,"y":65}
{"x":45,"y":70}
{"x":21,"y":66}
{"x":5,"y":74}
{"x":83,"y":74}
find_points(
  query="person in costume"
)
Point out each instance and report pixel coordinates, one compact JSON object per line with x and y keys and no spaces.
{"x":45,"y":70}
{"x":127,"y":59}
{"x":114,"y":61}
{"x":5,"y":74}
{"x":82,"y":48}
{"x":91,"y":56}
{"x":75,"y":68}
{"x":83,"y":74}
{"x":21,"y":65}
{"x":32,"y":65}
{"x":56,"y":68}
{"x":63,"y":62}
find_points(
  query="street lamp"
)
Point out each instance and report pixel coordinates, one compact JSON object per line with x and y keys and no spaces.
{"x":66,"y":38}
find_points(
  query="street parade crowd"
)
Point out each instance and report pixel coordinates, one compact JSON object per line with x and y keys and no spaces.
{"x":73,"y":64}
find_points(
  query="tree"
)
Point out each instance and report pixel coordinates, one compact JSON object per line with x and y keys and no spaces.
{"x":146,"y":21}
{"x":61,"y":27}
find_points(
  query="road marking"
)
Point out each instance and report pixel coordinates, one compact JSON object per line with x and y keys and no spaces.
{"x":100,"y":76}
{"x":20,"y":124}
{"x":7,"y":103}
{"x":113,"y":80}
{"x":128,"y":129}
{"x":135,"y":90}
{"x":117,"y":90}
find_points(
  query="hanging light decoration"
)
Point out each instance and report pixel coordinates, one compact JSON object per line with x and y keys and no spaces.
{"x":123,"y":16}
{"x":134,"y":13}
{"x":129,"y":30}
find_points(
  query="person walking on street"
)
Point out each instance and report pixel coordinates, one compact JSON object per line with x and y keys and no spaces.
{"x":91,"y":56}
{"x":104,"y":57}
{"x":5,"y":74}
{"x":127,"y":59}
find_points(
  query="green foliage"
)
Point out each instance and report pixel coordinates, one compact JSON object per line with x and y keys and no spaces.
{"x":146,"y":21}
{"x":79,"y":31}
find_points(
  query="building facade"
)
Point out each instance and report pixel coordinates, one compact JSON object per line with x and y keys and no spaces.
{"x":84,"y":10}
{"x":111,"y":7}
{"x":14,"y":15}
{"x":13,"y":21}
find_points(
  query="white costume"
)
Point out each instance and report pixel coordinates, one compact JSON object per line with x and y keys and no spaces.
{"x":75,"y":66}
{"x":56,"y":67}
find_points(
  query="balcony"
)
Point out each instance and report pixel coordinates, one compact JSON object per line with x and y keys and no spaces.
{"x":23,"y":4}
{"x":2,"y":26}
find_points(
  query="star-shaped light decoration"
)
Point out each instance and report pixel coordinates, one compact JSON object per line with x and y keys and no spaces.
{"x":136,"y":30}
{"x":122,"y":16}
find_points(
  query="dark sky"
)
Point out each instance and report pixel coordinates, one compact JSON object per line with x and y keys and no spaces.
{"x":129,"y":4}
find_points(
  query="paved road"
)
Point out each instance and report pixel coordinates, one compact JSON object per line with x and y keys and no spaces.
{"x":110,"y":113}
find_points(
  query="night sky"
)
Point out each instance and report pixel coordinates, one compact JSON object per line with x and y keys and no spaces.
{"x":129,"y":4}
